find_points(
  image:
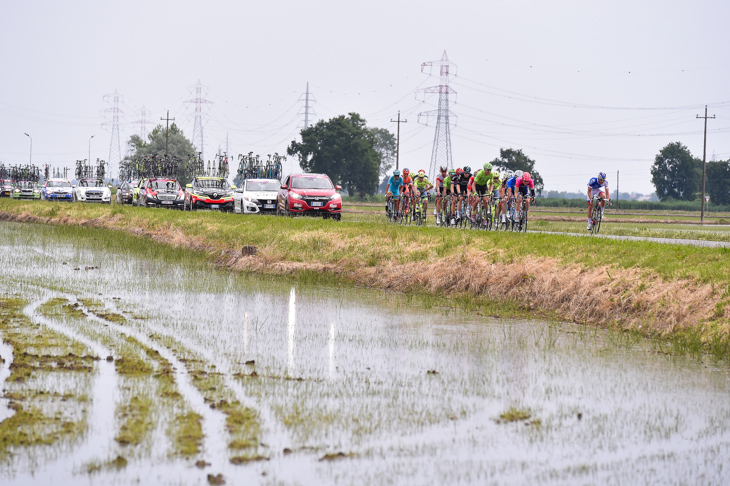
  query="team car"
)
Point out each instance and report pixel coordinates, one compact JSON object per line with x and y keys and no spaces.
{"x":209,"y":193}
{"x":93,"y":191}
{"x":26,"y":190}
{"x":137,"y":190}
{"x":57,"y":190}
{"x":6,"y":188}
{"x":309,"y":194}
{"x":161,"y":192}
{"x":256,"y":196}
{"x":125,"y":192}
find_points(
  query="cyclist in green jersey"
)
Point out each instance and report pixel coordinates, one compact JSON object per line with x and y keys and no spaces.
{"x":495,"y":185}
{"x":482,"y":181}
{"x":422,"y":185}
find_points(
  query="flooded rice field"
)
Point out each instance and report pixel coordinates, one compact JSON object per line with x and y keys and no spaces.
{"x":127,"y":366}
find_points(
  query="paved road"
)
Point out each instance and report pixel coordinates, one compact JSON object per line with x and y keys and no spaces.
{"x":670,"y":241}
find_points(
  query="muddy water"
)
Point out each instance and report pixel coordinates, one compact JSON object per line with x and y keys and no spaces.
{"x":361,"y":387}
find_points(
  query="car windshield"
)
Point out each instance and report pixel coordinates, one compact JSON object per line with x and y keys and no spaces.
{"x":59,"y":184}
{"x":256,"y":186}
{"x":91,"y":183}
{"x":315,"y":182}
{"x":26,"y":185}
{"x":212,"y":184}
{"x":164,"y":185}
{"x":6,"y":183}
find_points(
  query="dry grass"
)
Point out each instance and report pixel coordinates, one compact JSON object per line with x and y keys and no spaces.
{"x":630,"y":297}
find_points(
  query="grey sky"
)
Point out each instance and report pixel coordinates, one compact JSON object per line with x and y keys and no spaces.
{"x":550,"y":77}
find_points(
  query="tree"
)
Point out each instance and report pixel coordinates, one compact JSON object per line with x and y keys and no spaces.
{"x":717,"y":183}
{"x":177,"y":145}
{"x":386,"y":146}
{"x":344,"y":149}
{"x":676,"y":174}
{"x":516,"y":160}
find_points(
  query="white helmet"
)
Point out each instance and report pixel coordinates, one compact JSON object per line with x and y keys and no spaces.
{"x":518,"y":173}
{"x":510,"y":174}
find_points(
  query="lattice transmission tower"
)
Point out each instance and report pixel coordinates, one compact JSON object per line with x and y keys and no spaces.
{"x":115,"y":147}
{"x":307,"y":110}
{"x":198,"y":140}
{"x":143,"y":122}
{"x":441,"y":151}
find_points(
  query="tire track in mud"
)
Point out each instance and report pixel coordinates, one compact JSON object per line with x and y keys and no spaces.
{"x":278,"y":438}
{"x":214,"y":433}
{"x":6,"y":353}
{"x":101,"y":420}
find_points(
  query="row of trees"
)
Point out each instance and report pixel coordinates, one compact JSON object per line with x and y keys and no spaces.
{"x":677,"y":175}
{"x":356,"y":156}
{"x":345,"y":148}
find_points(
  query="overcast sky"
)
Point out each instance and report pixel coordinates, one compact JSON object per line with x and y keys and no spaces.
{"x":579,"y":86}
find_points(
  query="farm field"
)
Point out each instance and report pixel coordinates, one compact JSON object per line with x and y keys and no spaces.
{"x":134,"y":358}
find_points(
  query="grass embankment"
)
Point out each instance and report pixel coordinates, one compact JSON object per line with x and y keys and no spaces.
{"x":654,"y":289}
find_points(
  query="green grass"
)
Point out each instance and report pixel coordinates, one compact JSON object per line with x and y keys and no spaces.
{"x":348,"y":247}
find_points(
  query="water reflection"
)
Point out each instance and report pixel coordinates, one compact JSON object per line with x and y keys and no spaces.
{"x":292,"y":327}
{"x":363,"y":385}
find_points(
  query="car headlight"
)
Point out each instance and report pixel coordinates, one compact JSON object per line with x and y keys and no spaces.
{"x":17,"y":190}
{"x":334,"y":197}
{"x":252,"y":200}
{"x":294,"y":195}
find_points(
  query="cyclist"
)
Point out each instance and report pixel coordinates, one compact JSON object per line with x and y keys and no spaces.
{"x":461,"y":187}
{"x":508,"y":186}
{"x":443,"y":184}
{"x":454,"y":196}
{"x":497,"y":193}
{"x":407,"y":189}
{"x":422,"y":185}
{"x":394,"y":185}
{"x":481,"y":181}
{"x":521,"y":186}
{"x":596,"y":186}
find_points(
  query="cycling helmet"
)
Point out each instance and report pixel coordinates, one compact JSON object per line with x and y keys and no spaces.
{"x":406,"y":171}
{"x":496,"y":175}
{"x":510,"y":174}
{"x":487,"y":167}
{"x":467,"y":168}
{"x":452,"y":172}
{"x":421,"y":174}
{"x":602,"y":176}
{"x":518,"y":173}
{"x":459,"y":171}
{"x":443,"y":168}
{"x":526,"y":176}
{"x":396,"y":172}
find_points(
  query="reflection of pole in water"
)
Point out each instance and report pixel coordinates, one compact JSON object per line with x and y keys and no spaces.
{"x":292,"y":328}
{"x":245,"y":334}
{"x":332,"y":351}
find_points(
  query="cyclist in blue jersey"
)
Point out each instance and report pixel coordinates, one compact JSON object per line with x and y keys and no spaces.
{"x":597,"y":186}
{"x":394,"y":184}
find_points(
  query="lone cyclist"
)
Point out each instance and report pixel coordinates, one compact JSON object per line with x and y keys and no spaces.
{"x":596,"y":186}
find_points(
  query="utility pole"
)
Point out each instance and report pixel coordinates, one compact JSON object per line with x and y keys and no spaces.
{"x":397,"y":139}
{"x":617,"y":190}
{"x":704,"y":163}
{"x":167,"y":130}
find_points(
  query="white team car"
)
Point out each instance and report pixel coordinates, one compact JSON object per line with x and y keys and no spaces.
{"x":256,"y":196}
{"x":92,"y":190}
